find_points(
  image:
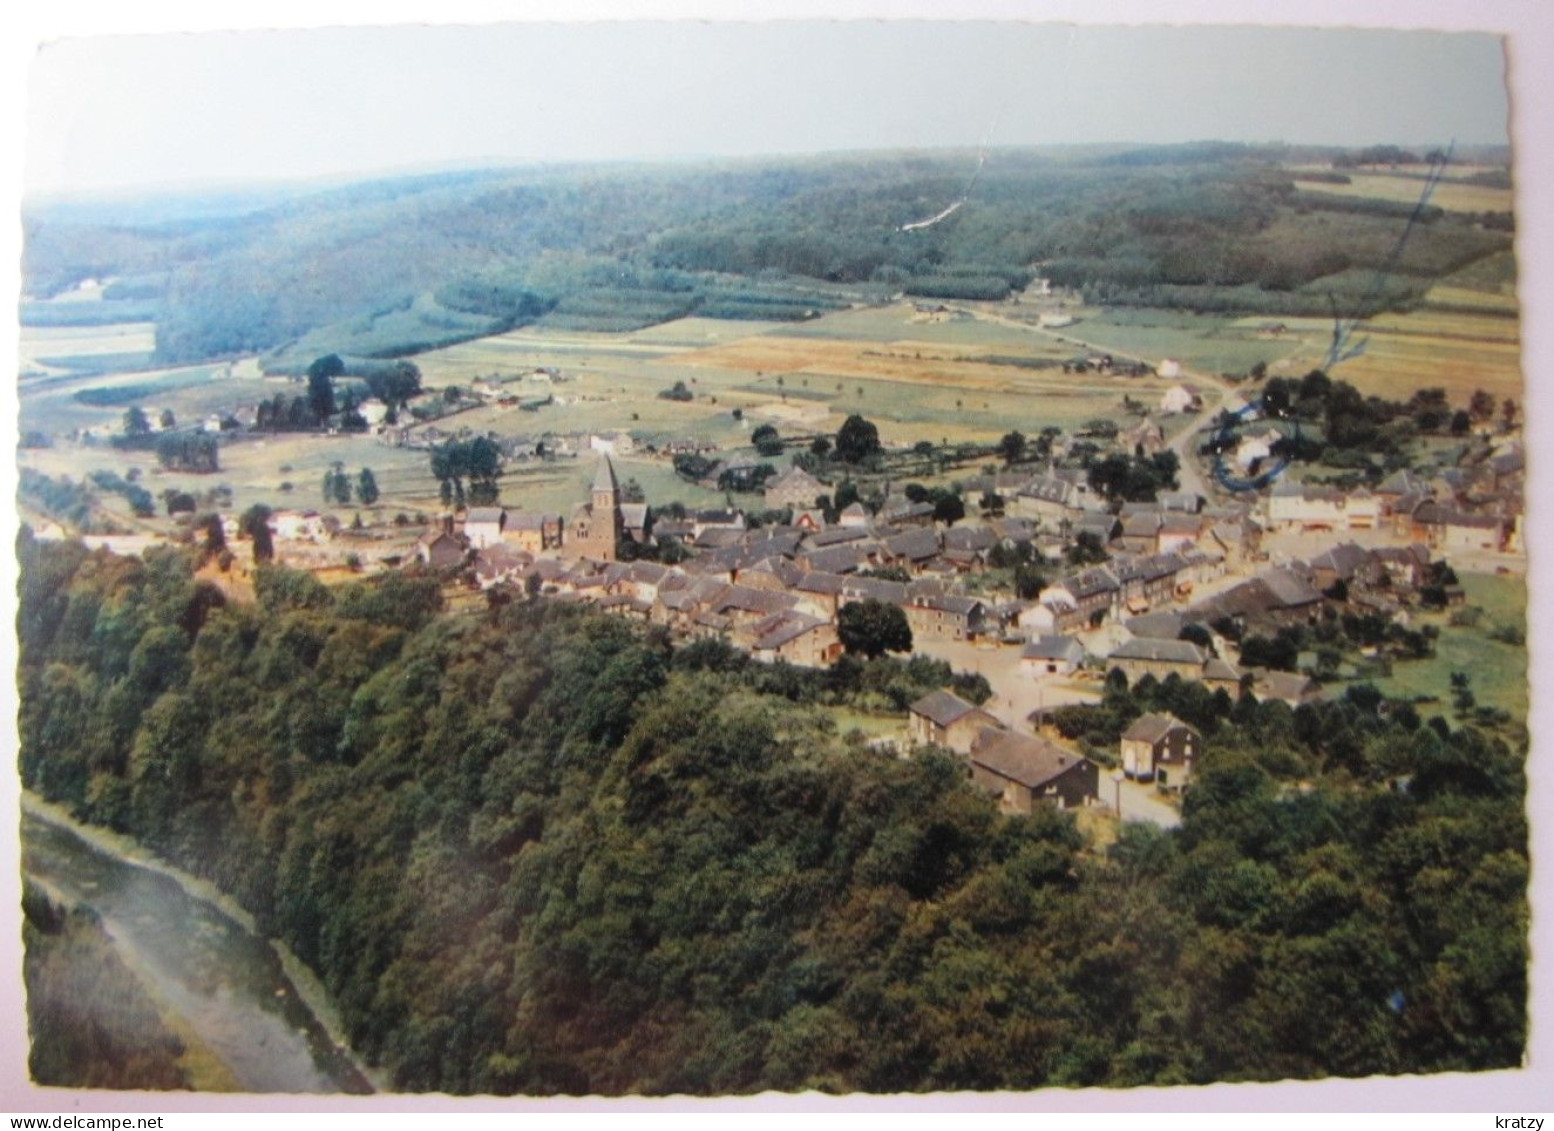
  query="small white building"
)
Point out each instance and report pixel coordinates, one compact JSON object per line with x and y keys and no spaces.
{"x":1169,"y":368}
{"x":1181,"y":398}
{"x":483,"y":526}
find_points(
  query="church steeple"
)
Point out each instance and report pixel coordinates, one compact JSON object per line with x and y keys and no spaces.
{"x":606,"y":488}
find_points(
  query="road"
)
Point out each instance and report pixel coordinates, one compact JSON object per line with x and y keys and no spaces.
{"x":1016,"y":693}
{"x":1190,"y":476}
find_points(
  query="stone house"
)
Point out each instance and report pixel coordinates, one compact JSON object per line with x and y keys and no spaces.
{"x":1023,"y":771}
{"x":1160,"y":748}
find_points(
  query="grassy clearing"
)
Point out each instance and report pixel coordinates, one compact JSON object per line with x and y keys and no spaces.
{"x":849,"y":719}
{"x":1498,"y":670}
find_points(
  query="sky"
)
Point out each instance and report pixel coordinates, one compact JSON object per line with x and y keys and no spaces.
{"x":128,"y":111}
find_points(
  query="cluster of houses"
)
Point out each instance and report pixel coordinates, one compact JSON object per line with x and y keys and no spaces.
{"x":777,"y":590}
{"x":1027,"y":770}
{"x":1474,"y":507}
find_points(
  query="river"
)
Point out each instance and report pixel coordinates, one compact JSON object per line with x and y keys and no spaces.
{"x":227,"y":984}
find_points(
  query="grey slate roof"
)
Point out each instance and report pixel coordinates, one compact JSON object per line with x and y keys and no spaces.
{"x":941,"y":707}
{"x":1171,"y":651}
{"x":1022,"y":758}
{"x":1054,"y":648}
{"x":1152,"y":728}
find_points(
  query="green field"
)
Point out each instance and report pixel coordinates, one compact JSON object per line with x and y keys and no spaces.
{"x":191,"y":393}
{"x":1212,"y":343}
{"x":1498,"y":670}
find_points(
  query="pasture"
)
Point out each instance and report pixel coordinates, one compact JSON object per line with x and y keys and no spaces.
{"x":1498,"y":670}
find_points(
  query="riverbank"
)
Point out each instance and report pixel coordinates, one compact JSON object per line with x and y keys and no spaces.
{"x":309,"y":990}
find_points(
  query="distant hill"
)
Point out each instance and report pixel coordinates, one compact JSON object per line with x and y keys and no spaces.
{"x":396,"y":265}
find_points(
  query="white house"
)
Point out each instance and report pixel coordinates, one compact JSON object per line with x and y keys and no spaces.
{"x":1181,"y":398}
{"x":1169,"y":368}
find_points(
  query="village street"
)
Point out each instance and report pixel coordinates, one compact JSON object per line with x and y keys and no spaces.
{"x":1015,"y":692}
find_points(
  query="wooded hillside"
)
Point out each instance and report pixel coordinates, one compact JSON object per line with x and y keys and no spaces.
{"x":537,"y":850}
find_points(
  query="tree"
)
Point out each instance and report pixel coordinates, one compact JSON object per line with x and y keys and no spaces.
{"x":367,"y":487}
{"x":329,"y":367}
{"x":135,"y":422}
{"x":198,"y":452}
{"x":321,"y":389}
{"x":255,"y":525}
{"x":857,"y":440}
{"x":767,"y":440}
{"x":1481,"y":406}
{"x":1012,"y":446}
{"x":872,"y":628}
{"x":949,"y":509}
{"x":337,"y":485}
{"x":1087,"y":550}
{"x":820,"y":446}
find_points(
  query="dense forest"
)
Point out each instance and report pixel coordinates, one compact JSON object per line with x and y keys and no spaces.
{"x":539,"y":850}
{"x":387,"y":268}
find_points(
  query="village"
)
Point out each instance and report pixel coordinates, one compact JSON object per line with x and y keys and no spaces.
{"x":1161,"y":590}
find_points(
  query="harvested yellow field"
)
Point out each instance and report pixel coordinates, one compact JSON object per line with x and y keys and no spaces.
{"x":1460,"y":353}
{"x":1450,"y":195}
{"x":907,"y":362}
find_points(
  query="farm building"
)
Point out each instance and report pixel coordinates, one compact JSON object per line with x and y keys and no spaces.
{"x":805,"y":641}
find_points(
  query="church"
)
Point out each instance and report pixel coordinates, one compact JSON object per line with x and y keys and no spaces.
{"x":596,"y":527}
